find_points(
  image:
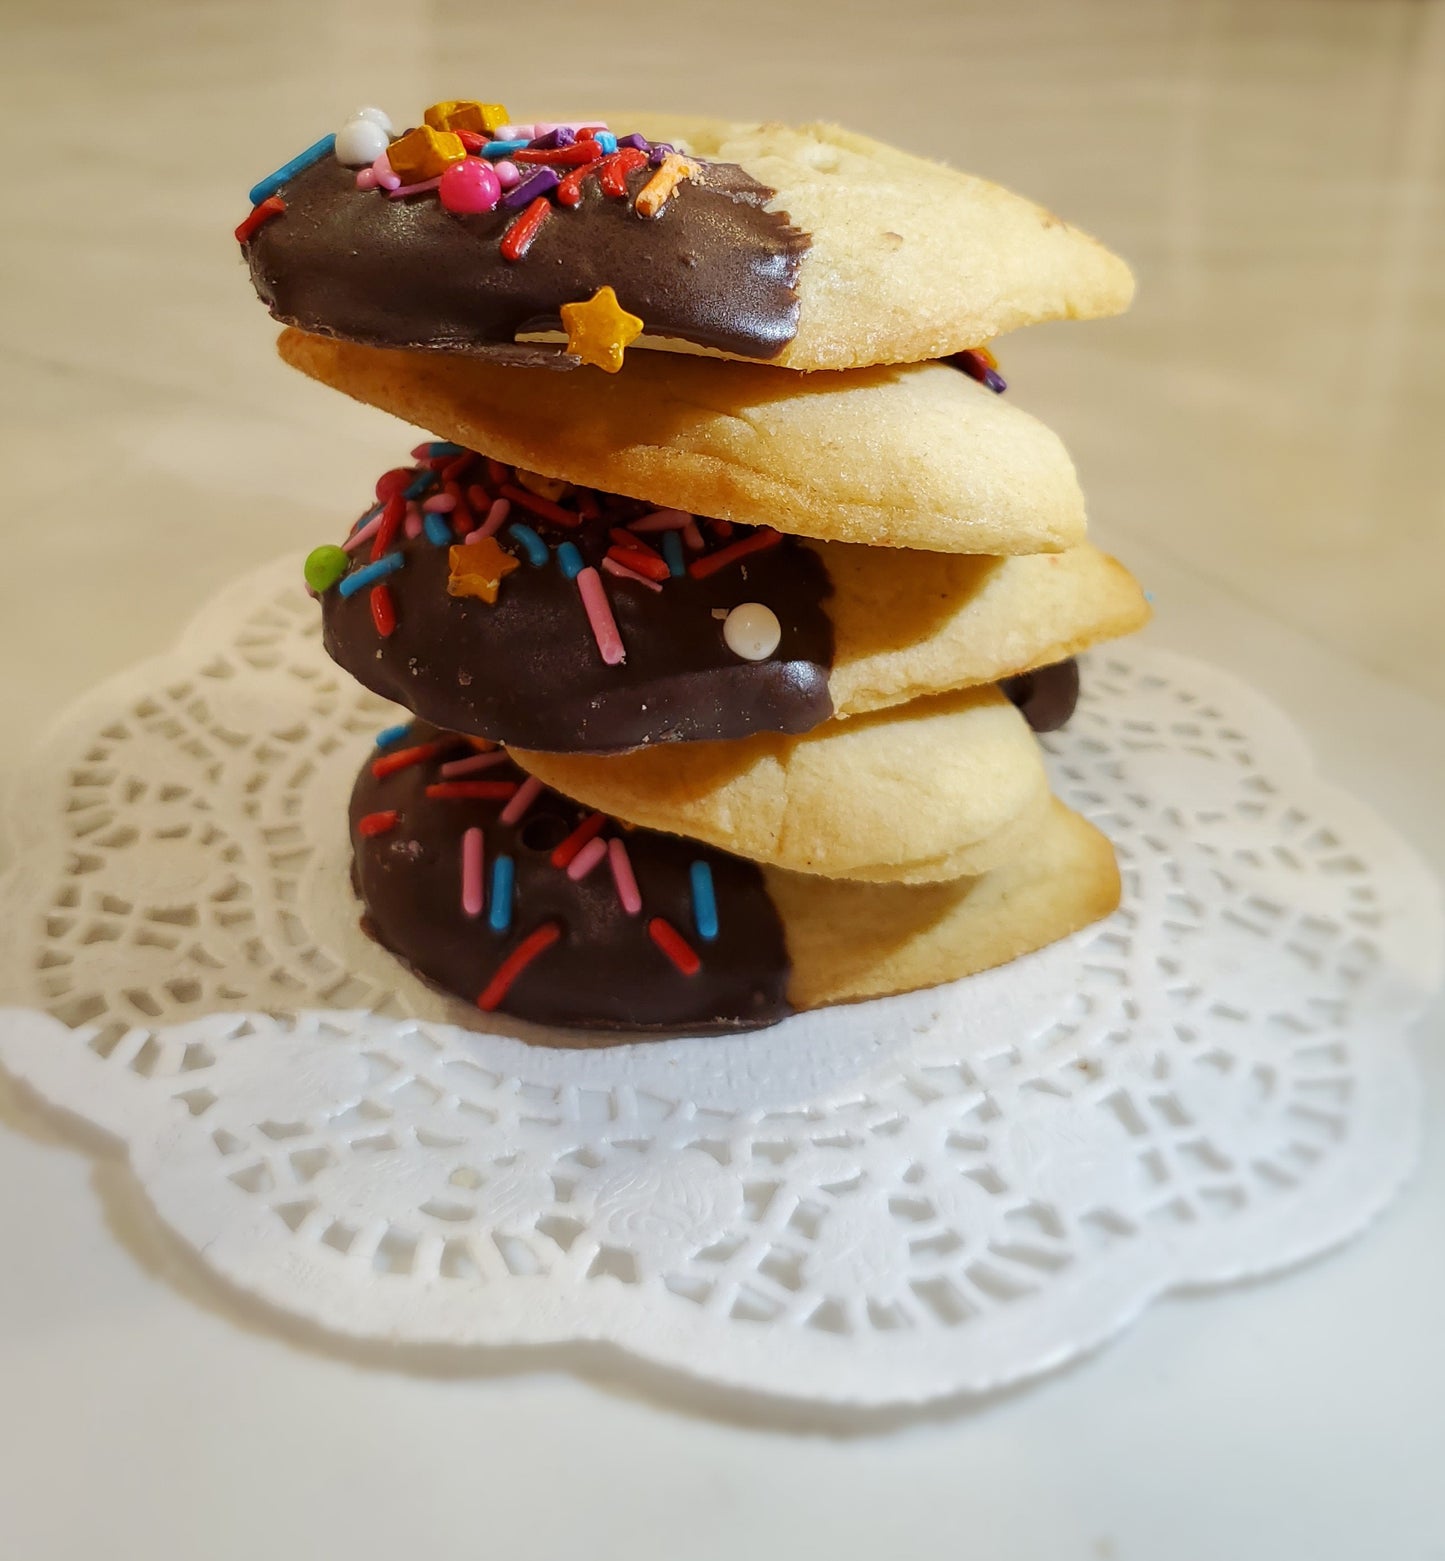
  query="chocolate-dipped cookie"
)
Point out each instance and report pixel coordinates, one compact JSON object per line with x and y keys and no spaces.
{"x":501,"y":892}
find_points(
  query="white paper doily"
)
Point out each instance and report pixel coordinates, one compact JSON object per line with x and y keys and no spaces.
{"x":882,"y":1204}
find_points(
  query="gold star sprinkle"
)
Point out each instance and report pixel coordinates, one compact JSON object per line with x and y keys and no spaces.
{"x":478,"y":569}
{"x":600,"y":330}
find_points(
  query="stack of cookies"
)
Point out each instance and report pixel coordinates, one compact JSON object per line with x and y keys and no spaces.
{"x":730,"y":591}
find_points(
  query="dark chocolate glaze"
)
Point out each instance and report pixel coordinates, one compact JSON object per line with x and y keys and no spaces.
{"x":713,"y":267}
{"x":525,"y":670}
{"x":1046,"y":697}
{"x":605,"y":973}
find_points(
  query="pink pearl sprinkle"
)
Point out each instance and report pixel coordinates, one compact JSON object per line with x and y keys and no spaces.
{"x":412,"y":189}
{"x":599,"y":615}
{"x":478,"y":761}
{"x":356,"y":538}
{"x":623,"y":877}
{"x":662,"y":520}
{"x":509,"y":176}
{"x":472,"y":891}
{"x":366,"y":179}
{"x":624,"y":573}
{"x":442,"y":504}
{"x":499,"y":511}
{"x":385,"y":177}
{"x":414,"y":523}
{"x":522,"y":799}
{"x":586,"y":859}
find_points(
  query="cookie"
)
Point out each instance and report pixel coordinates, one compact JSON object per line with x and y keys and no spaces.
{"x":520,"y":902}
{"x":513,"y":654}
{"x":917,"y":457}
{"x":927,"y":791}
{"x":807,"y":247}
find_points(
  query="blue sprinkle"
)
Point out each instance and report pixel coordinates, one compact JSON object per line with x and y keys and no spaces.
{"x":1149,"y":597}
{"x":391,"y":735}
{"x":570,"y":560}
{"x":438,"y":532}
{"x":607,"y":141}
{"x":419,"y":484}
{"x":444,"y":447}
{"x":496,"y":149}
{"x":371,"y":573}
{"x":371,"y":514}
{"x":273,"y":182}
{"x":672,"y":552}
{"x":534,"y":546}
{"x":704,"y":901}
{"x":504,"y":874}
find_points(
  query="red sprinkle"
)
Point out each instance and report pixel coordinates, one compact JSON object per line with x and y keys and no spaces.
{"x":537,"y":505}
{"x":272,"y":206}
{"x":561,"y":156}
{"x":722,"y":529}
{"x":517,"y":240}
{"x":587,"y":505}
{"x":630,"y":540}
{"x":471,"y":791}
{"x":454,"y":468}
{"x":470,"y":139}
{"x":612,"y":175}
{"x":498,"y":471}
{"x":377,"y":823}
{"x":383,"y":610}
{"x":397,"y":480}
{"x":674,"y":945}
{"x":649,"y":565}
{"x":391,"y":518}
{"x":478,"y":497}
{"x":590,"y":826}
{"x":764,"y":537}
{"x":569,"y":191}
{"x":404,"y":758}
{"x":538,"y":941}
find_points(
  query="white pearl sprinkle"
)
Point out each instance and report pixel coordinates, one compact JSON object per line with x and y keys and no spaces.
{"x":360,"y":142}
{"x":752,"y":631}
{"x":378,"y":116}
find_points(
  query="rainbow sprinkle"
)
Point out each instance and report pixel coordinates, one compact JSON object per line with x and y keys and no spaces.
{"x":704,"y":901}
{"x":473,"y":894}
{"x":504,"y":877}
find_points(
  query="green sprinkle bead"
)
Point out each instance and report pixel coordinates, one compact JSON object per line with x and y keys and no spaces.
{"x":324,"y":566}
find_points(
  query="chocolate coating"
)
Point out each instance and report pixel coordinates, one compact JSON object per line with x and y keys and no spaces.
{"x":1047,"y":696}
{"x":713,"y":268}
{"x":526,"y":670}
{"x":605,"y":972}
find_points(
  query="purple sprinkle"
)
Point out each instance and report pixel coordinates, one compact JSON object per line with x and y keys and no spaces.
{"x":638,"y":143}
{"x":543,"y":182}
{"x":660,"y":149}
{"x":995,"y":381}
{"x":554,"y":139}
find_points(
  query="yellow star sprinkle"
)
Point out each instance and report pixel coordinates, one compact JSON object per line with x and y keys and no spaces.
{"x":467,"y":114}
{"x":600,"y":330}
{"x":478,"y":569}
{"x":423,"y":153}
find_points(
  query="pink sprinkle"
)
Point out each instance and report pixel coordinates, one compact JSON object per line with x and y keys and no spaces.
{"x":445,"y":503}
{"x":586,"y":859}
{"x":366,"y":179}
{"x":662,"y":520}
{"x":412,"y":189}
{"x":599,"y":615}
{"x":470,"y":766}
{"x":624,"y":573}
{"x":623,"y":877}
{"x":356,"y":538}
{"x":385,"y":176}
{"x":517,"y":133}
{"x":499,"y":511}
{"x":525,"y":795}
{"x":472,"y":893}
{"x":692,"y":536}
{"x":509,"y":176}
{"x":414,"y":522}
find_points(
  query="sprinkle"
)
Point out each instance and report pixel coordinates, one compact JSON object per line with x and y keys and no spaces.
{"x":383,"y":610}
{"x":624,"y":877}
{"x":392,"y":734}
{"x":541,"y":181}
{"x":600,"y":330}
{"x":590,"y":826}
{"x":469,"y":766}
{"x":504,"y":874}
{"x":473,"y":895}
{"x":527,"y":793}
{"x":413,"y":525}
{"x":365,"y":533}
{"x":569,"y":560}
{"x":437,"y":447}
{"x":674,"y":945}
{"x":377,"y":823}
{"x":569,"y":191}
{"x":273,"y":182}
{"x":612,"y":567}
{"x":360,"y":142}
{"x":692,"y":536}
{"x":366,"y":178}
{"x":599,"y":615}
{"x":704,"y":901}
{"x":561,"y":156}
{"x":606,"y":140}
{"x":382,"y":174}
{"x":535,"y":548}
{"x":517,"y":240}
{"x":508,"y":174}
{"x":545,"y":509}
{"x":587,"y":504}
{"x":586,"y":859}
{"x":454,"y":468}
{"x":440,"y":504}
{"x":457,"y":114}
{"x":752,"y":632}
{"x":419,"y":484}
{"x":553,"y":488}
{"x":612,"y":175}
{"x":424,"y":153}
{"x":498,"y":471}
{"x":653,"y":195}
{"x":363,"y":520}
{"x":538,"y":941}
{"x":438,"y":529}
{"x":404,"y":758}
{"x":324,"y":566}
{"x":499,"y":511}
{"x":522,"y":133}
{"x":419,"y":188}
{"x":672,"y":552}
{"x":471,"y":791}
{"x":634,"y":142}
{"x":661,"y":520}
{"x":648,"y":565}
{"x":392,"y":515}
{"x":495,"y":149}
{"x":259,"y":216}
{"x":763,"y":537}
{"x":397,"y":480}
{"x":631,"y":542}
{"x":369,"y":574}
